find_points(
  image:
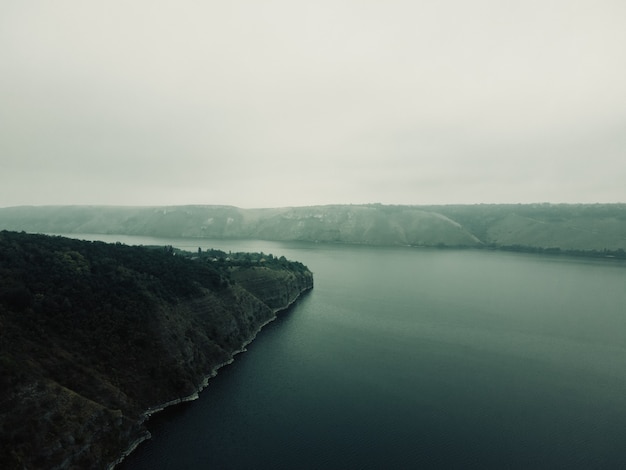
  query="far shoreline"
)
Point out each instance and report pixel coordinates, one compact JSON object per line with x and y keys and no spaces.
{"x":617,"y":254}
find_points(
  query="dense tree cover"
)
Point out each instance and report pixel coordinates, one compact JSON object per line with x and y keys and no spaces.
{"x":91,"y":334}
{"x":95,"y":299}
{"x":222,"y":260}
{"x":55,"y":286}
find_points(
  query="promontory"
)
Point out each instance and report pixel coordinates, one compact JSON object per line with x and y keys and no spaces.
{"x":94,"y":337}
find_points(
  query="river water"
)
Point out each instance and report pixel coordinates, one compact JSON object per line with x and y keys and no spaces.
{"x":416,"y":358}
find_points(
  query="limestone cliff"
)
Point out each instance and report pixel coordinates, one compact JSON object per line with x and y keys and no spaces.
{"x":94,"y":337}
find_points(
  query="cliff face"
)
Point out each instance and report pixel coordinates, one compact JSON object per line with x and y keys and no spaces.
{"x":94,"y":335}
{"x":275,"y":288}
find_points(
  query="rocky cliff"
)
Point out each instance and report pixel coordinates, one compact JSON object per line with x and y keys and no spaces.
{"x":95,"y":337}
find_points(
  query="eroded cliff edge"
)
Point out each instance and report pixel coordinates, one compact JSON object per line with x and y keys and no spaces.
{"x":94,"y":336}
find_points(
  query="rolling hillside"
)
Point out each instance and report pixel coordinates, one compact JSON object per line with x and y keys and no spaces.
{"x":575,"y":228}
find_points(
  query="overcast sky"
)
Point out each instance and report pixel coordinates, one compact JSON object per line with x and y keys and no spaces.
{"x":265,"y":103}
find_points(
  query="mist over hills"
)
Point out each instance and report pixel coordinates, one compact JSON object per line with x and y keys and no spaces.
{"x":531,"y":227}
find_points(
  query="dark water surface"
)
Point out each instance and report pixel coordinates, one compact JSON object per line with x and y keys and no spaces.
{"x":414,"y":358}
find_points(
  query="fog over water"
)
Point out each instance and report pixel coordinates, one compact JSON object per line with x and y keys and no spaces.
{"x":277,"y":103}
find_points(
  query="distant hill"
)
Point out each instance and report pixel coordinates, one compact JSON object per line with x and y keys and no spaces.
{"x":94,"y":335}
{"x":574,"y":228}
{"x":577,"y":228}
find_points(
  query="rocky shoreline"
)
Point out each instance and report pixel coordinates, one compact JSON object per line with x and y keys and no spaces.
{"x":205,"y":382}
{"x":97,"y":337}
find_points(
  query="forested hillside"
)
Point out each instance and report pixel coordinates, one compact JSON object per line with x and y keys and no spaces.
{"x":93,"y":334}
{"x":588,"y":229}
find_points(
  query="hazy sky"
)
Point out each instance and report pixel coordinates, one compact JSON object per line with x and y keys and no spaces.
{"x":285,"y":102}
